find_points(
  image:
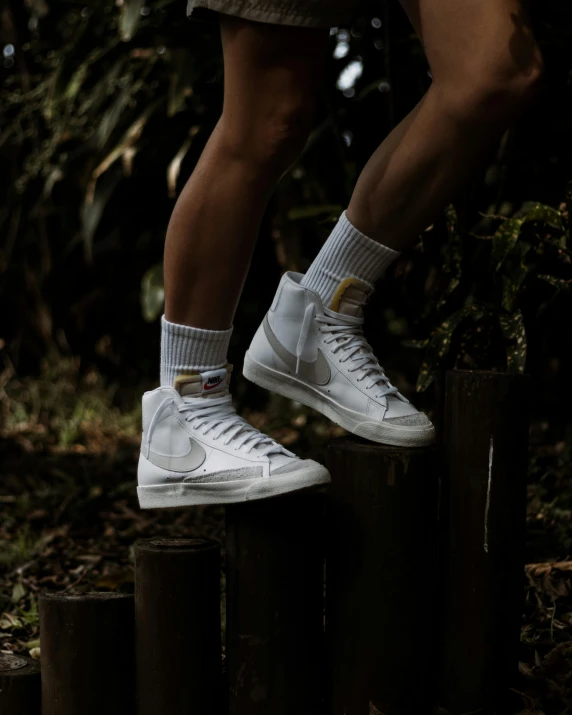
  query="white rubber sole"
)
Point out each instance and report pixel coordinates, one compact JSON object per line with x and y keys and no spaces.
{"x":354,"y":422}
{"x":182,"y":494}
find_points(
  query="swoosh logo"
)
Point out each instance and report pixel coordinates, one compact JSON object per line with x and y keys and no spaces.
{"x":317,"y":372}
{"x":212,"y":387}
{"x":183,"y":463}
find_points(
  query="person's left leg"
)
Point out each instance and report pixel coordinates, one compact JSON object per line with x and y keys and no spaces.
{"x":485,"y":67}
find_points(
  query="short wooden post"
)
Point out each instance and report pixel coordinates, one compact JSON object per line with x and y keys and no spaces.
{"x":381,"y":578}
{"x":178,"y":627}
{"x":20,"y":686}
{"x":486,"y":445}
{"x":275,"y":609}
{"x":87,"y":658}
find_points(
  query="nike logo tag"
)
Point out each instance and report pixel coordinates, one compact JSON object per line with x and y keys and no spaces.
{"x":213,"y":379}
{"x":317,"y":372}
{"x":183,"y":463}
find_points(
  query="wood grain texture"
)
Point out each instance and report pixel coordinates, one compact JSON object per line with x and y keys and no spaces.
{"x":486,"y":448}
{"x":87,"y":654}
{"x":381,"y":578}
{"x":275,"y":609}
{"x":178,"y":627}
{"x":20,"y":686}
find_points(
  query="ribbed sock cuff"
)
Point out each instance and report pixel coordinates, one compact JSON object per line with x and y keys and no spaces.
{"x":347,"y":253}
{"x":184,"y":349}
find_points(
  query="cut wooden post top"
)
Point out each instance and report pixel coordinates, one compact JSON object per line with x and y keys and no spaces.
{"x":17,"y":665}
{"x":88,"y":597}
{"x":176,"y":545}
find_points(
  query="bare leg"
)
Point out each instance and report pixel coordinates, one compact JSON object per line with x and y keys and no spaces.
{"x":271,"y":76}
{"x":485,"y":66}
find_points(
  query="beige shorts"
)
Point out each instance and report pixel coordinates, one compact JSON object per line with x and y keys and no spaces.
{"x":301,"y":13}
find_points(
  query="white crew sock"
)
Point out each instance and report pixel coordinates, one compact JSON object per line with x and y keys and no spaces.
{"x":186,"y":349}
{"x":347,"y":253}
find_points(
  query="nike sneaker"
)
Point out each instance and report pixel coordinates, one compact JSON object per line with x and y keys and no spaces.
{"x":196,"y":450}
{"x":319,"y":356}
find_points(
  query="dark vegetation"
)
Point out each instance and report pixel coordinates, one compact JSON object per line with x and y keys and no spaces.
{"x":105,"y":109}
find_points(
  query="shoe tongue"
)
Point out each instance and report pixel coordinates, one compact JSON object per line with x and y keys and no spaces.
{"x":351,"y":297}
{"x":203,"y":384}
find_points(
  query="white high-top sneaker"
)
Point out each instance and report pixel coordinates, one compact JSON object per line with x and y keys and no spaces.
{"x":197,"y":450}
{"x":319,"y":356}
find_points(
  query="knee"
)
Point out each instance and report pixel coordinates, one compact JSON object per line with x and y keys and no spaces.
{"x":271,"y":138}
{"x":495,"y":91}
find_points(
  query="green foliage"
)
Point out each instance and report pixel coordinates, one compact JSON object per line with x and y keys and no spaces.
{"x":152,"y":293}
{"x":106,"y":110}
{"x":489,"y":329}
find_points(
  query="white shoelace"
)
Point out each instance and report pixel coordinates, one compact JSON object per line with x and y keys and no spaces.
{"x":347,"y":334}
{"x":218,"y":414}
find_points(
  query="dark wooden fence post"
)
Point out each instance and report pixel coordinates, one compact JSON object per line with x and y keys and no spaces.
{"x":178,"y":628}
{"x":484,"y":508}
{"x":383,"y":513}
{"x":275,"y":608}
{"x":20,"y":686}
{"x":87,"y":657}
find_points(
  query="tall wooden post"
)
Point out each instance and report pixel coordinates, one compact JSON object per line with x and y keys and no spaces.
{"x":486,"y":445}
{"x":381,"y":578}
{"x":20,"y":686}
{"x":87,"y":658}
{"x":275,"y":611}
{"x":178,"y":629}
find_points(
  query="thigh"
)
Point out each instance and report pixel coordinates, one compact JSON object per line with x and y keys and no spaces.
{"x":491,"y":35}
{"x":268,"y":65}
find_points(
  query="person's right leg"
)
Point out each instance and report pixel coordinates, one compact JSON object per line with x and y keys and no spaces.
{"x":195,"y":449}
{"x":271,"y":76}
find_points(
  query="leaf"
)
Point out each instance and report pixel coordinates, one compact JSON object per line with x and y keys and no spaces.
{"x":18,"y":592}
{"x":439,"y":345}
{"x":94,"y":206}
{"x":453,"y":256}
{"x":115,"y":579}
{"x":112,"y":117}
{"x":506,"y":236}
{"x":174,"y":167}
{"x":514,"y":332}
{"x":152,"y":293}
{"x":130,"y":16}
{"x":181,"y":80}
{"x":511,"y":285}
{"x":557,"y":282}
{"x":505,"y":239}
{"x":305,"y":212}
{"x":130,"y":138}
{"x":99,"y":93}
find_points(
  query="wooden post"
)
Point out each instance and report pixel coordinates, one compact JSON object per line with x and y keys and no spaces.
{"x":86,"y":644}
{"x":486,"y":445}
{"x":178,"y":628}
{"x":20,"y":686}
{"x":383,"y":513}
{"x":275,"y":608}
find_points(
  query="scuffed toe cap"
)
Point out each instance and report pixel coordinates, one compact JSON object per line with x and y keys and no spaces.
{"x":295,"y":466}
{"x":417,"y":419}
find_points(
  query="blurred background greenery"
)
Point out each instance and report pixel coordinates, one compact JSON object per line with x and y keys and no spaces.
{"x":105,"y":110}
